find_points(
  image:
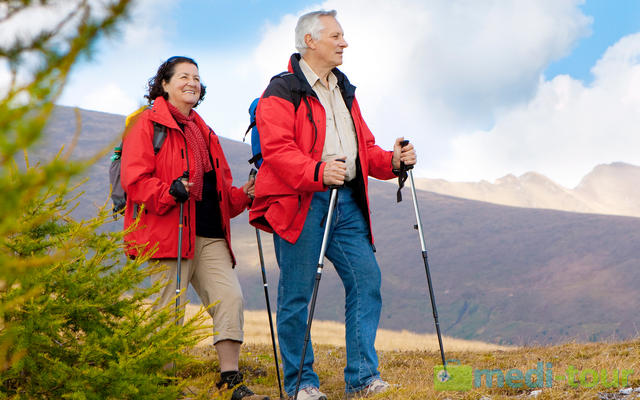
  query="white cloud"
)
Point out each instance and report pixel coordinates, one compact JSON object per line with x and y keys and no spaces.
{"x":22,"y":27}
{"x":5,"y":78}
{"x":109,"y":98}
{"x":566,"y":128}
{"x":26,"y":24}
{"x":124,"y":61}
{"x":439,"y":70}
{"x":462,"y":79}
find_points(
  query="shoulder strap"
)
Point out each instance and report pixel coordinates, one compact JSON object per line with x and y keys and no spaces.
{"x":159,"y":135}
{"x":294,"y":86}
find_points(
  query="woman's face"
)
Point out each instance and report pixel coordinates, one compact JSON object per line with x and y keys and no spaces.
{"x":183,"y":89}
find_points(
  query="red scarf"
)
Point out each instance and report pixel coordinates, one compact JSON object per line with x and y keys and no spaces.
{"x":198,"y":148}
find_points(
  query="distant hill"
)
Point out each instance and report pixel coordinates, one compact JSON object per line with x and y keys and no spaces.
{"x":607,"y":189}
{"x":505,"y":275}
{"x":615,"y":188}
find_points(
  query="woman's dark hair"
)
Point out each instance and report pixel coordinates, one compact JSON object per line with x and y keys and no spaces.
{"x":164,"y":74}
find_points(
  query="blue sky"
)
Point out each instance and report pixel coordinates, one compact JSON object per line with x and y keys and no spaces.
{"x":483,"y":88}
{"x":241,"y":20}
{"x":612,"y":19}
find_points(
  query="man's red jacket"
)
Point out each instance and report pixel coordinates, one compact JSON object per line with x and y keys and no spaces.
{"x":291,"y":143}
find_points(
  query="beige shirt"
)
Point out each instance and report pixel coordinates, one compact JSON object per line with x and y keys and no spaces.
{"x":340,"y":138}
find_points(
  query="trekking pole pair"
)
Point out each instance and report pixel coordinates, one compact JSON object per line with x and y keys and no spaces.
{"x":403,"y":176}
{"x":252,"y":174}
{"x":334,"y":193}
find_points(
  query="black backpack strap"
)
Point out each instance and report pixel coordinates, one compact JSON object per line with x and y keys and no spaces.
{"x":255,"y":158}
{"x":294,"y":86}
{"x":159,"y":135}
{"x":251,"y":125}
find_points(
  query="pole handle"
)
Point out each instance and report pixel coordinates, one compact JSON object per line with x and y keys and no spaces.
{"x":404,"y":167}
{"x":338,"y":186}
{"x":252,"y":174}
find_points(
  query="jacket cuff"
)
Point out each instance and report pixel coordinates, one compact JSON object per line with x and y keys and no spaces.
{"x":389,"y":172}
{"x":166,"y":201}
{"x":319,"y":172}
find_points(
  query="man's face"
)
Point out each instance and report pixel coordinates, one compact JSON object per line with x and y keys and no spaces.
{"x":331,"y":44}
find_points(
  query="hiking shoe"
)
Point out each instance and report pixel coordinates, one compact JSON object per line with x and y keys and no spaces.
{"x":376,"y":386}
{"x":240,"y":390}
{"x":310,"y":393}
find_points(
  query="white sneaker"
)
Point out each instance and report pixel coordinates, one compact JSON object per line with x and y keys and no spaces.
{"x":310,"y":393}
{"x":377,"y":386}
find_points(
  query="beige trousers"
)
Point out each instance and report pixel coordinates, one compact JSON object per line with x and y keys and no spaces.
{"x":211,"y":274}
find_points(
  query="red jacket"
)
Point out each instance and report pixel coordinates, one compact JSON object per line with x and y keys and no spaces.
{"x":292,"y":146}
{"x":146,"y":179}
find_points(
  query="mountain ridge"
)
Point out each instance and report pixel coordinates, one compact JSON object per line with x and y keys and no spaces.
{"x":611,"y":189}
{"x":501,"y":274}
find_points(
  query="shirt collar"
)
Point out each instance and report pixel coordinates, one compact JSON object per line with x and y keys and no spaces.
{"x":312,"y":78}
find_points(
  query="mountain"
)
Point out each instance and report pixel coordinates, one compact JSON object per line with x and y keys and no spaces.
{"x":608,"y":189}
{"x":501,"y":274}
{"x":613,"y":187}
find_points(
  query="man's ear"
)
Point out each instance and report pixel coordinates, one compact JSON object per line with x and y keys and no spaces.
{"x":308,"y":40}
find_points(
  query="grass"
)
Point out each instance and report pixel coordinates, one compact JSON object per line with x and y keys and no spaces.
{"x":409,"y":363}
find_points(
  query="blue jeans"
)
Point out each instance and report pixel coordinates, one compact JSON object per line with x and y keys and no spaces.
{"x":350,"y":251}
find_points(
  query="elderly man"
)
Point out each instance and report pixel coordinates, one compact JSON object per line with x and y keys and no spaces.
{"x":309,"y":123}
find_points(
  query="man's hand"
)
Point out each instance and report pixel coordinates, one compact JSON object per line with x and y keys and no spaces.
{"x":405,"y":154}
{"x":334,"y":173}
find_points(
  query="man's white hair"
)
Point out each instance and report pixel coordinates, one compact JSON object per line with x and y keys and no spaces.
{"x":310,"y":23}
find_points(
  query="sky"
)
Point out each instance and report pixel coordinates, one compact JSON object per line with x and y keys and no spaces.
{"x":483,"y":88}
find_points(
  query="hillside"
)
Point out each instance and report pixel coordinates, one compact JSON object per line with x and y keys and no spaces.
{"x":503,"y":275}
{"x":608,"y":189}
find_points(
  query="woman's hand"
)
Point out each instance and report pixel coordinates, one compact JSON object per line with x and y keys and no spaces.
{"x":249,"y":187}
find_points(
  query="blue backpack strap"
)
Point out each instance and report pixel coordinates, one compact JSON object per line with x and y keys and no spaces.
{"x":255,"y":136}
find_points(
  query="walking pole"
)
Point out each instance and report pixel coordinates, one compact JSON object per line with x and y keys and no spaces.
{"x":266,"y":297}
{"x":418,"y":226}
{"x":185,"y":175}
{"x":323,"y":249}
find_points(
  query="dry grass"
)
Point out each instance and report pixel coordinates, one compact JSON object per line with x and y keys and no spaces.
{"x":413,"y":370}
{"x":409,"y":363}
{"x":256,"y":329}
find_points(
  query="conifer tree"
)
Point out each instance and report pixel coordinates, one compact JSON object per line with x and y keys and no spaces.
{"x":73,"y":323}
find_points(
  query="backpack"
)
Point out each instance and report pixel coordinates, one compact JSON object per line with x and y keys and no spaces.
{"x":297,"y":94}
{"x":118,"y":195}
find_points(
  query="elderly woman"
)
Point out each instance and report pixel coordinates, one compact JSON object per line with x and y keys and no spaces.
{"x":189,"y":168}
